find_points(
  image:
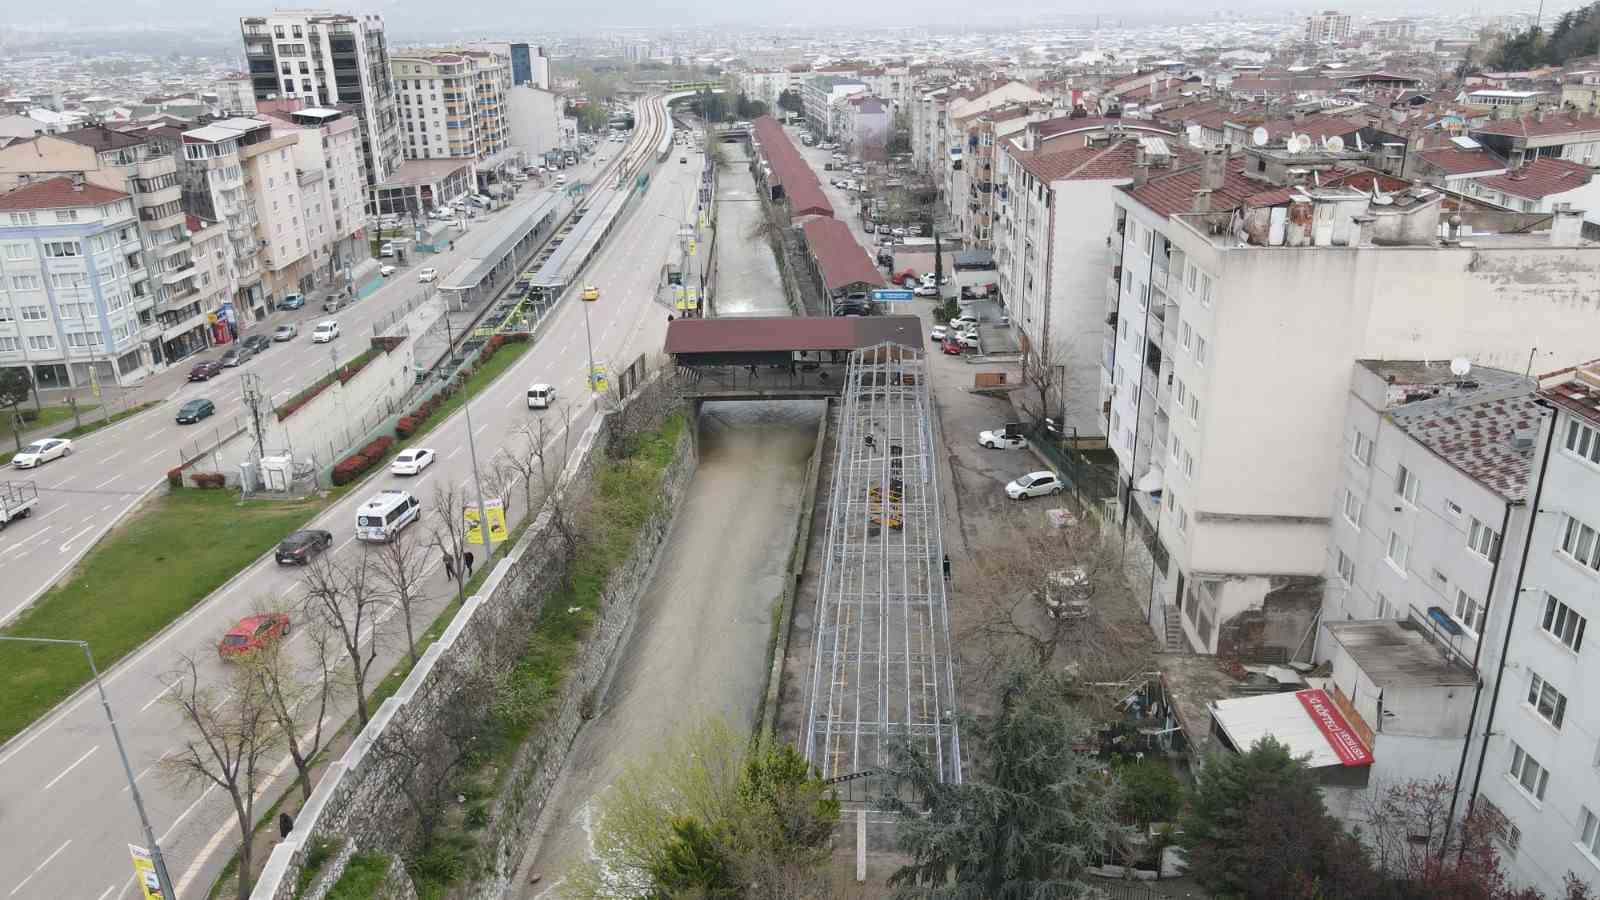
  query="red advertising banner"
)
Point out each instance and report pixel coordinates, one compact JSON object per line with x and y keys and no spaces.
{"x":1338,"y":733}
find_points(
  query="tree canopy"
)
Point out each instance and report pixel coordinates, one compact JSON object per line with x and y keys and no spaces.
{"x":1576,"y":33}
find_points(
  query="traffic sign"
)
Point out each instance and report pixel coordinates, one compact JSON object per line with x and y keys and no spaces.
{"x":892,"y":296}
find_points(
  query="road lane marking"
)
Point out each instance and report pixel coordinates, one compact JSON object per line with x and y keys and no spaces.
{"x":185,"y":814}
{"x":107,"y":892}
{"x":113,"y":456}
{"x":68,"y":769}
{"x":107,"y":507}
{"x":479,"y":430}
{"x":156,"y":455}
{"x":347,"y":542}
{"x":61,"y":482}
{"x":167,"y":689}
{"x":147,"y":769}
{"x":106,"y":482}
{"x":69,"y":541}
{"x":452,"y":453}
{"x":23,"y":883}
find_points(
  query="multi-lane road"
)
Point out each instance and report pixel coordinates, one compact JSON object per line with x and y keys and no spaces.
{"x":63,"y":800}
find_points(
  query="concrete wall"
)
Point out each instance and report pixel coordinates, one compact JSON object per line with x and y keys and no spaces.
{"x":351,"y":802}
{"x":1080,"y":267}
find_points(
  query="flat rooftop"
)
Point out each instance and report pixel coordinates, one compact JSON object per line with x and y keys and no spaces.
{"x":1397,"y":654}
{"x":1431,"y":372}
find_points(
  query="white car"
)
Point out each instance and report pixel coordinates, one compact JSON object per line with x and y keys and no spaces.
{"x":938,"y":333}
{"x":999,"y":440}
{"x":926,"y":290}
{"x":969,"y":341}
{"x":386,"y":271}
{"x":897,"y":231}
{"x":540,"y":396}
{"x":964,"y":320}
{"x":40,"y":452}
{"x":1034,"y":484}
{"x":326,"y":330}
{"x":427,"y":274}
{"x":411,"y":462}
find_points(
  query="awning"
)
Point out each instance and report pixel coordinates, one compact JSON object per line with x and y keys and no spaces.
{"x":1307,"y":722}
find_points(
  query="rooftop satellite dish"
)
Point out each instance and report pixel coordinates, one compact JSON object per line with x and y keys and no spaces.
{"x":1460,"y":366}
{"x":1259,"y":136}
{"x":1335,"y":144}
{"x":1298,"y":143}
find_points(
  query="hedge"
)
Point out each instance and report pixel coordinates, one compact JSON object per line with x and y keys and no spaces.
{"x":175,"y":477}
{"x":343,"y":374}
{"x":209,"y":479}
{"x":350,"y":468}
{"x":414,"y":420}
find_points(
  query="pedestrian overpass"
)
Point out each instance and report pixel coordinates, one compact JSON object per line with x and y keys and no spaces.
{"x":777,"y":357}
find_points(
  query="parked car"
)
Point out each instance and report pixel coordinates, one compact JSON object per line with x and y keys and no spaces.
{"x":237,"y":355}
{"x":937,"y":334}
{"x":298,"y":548}
{"x":253,"y":633}
{"x":40,"y":452}
{"x":195,"y":410}
{"x":335,"y":303}
{"x":1034,"y":484}
{"x":292,"y":301}
{"x":411,"y":462}
{"x":326,"y":330}
{"x":682,"y":159}
{"x":925,"y":290}
{"x":427,"y":274}
{"x":964,"y":319}
{"x":951,"y":346}
{"x":285,"y":332}
{"x":205,"y":370}
{"x":1066,"y":593}
{"x":386,"y":249}
{"x":969,"y":340}
{"x":386,"y":271}
{"x":256,"y":342}
{"x":1001,"y":439}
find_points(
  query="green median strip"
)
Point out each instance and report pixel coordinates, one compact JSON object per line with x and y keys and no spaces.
{"x":89,"y":427}
{"x":150,"y":570}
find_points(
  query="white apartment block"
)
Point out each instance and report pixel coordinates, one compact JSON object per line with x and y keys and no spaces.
{"x":236,"y":95}
{"x":1330,"y":27}
{"x":327,"y":59}
{"x":1238,"y":304}
{"x":453,"y":106}
{"x":327,"y":154}
{"x":66,"y":307}
{"x":1540,"y":765}
{"x":538,"y":125}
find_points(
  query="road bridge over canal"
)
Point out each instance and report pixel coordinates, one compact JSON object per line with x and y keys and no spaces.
{"x":778,"y":357}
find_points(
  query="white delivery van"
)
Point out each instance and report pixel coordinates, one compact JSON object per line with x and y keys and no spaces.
{"x":540,"y":396}
{"x":383,"y":515}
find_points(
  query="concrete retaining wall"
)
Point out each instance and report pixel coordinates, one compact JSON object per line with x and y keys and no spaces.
{"x":352,"y":802}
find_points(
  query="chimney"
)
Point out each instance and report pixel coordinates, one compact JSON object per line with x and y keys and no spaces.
{"x":1202,"y":201}
{"x":1213,"y":170}
{"x":1364,"y":229}
{"x":77,"y":181}
{"x":1141,"y":173}
{"x":1566,"y":226}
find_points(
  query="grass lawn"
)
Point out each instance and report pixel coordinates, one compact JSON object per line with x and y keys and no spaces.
{"x":503,"y":359}
{"x":151,"y":569}
{"x":48,"y":417}
{"x":89,"y":425}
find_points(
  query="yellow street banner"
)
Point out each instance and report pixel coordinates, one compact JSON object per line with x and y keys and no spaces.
{"x":597,"y":378}
{"x":691,"y":248}
{"x":497,"y":521}
{"x":144,"y":871}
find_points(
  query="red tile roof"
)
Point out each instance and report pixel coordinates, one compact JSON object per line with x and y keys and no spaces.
{"x":1529,"y":126}
{"x":790,"y":170}
{"x":1171,"y":195}
{"x":1540,"y":178}
{"x":1462,"y":162}
{"x":58,"y":193}
{"x":1578,"y":389}
{"x":769,"y":334}
{"x":1091,"y":163}
{"x":1066,"y":125}
{"x":842,"y":260}
{"x":1315,"y":126}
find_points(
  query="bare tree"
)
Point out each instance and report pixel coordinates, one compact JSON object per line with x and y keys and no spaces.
{"x":430,"y":741}
{"x":447,"y":530}
{"x":226,"y":735}
{"x":347,"y":599}
{"x":400,"y":567}
{"x":532,"y":460}
{"x":298,"y":696}
{"x":1044,"y":377}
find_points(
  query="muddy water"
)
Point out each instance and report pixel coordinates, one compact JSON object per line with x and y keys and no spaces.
{"x":748,"y":280}
{"x":698,"y":646}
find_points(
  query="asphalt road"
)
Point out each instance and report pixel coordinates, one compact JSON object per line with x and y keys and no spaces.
{"x":65,"y":808}
{"x":111,"y":470}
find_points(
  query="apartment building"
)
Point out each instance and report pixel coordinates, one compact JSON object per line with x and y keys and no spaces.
{"x":1237,"y":304}
{"x":236,"y":95}
{"x":867,"y":122}
{"x":1538,"y":767}
{"x":327,"y":156}
{"x":821,"y":96}
{"x":66,"y":307}
{"x":329,"y":60}
{"x":969,"y":189}
{"x":1330,"y":27}
{"x":537,"y":122}
{"x":453,"y":106}
{"x":1574,"y":137}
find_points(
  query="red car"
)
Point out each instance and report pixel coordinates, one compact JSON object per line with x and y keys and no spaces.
{"x":205,"y":370}
{"x":253,"y":633}
{"x":951,"y":346}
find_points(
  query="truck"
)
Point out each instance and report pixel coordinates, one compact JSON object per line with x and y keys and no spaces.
{"x":17,"y":500}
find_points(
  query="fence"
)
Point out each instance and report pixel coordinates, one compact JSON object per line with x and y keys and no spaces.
{"x":1132,"y":890}
{"x":1091,"y":483}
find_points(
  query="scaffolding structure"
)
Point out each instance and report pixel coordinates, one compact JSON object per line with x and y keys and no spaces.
{"x":883,"y":666}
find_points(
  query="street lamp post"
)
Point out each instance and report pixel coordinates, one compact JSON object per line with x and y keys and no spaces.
{"x":168,"y":886}
{"x":472,"y":452}
{"x":590,"y":295}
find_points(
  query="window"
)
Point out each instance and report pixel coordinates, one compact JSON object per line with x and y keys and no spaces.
{"x":24,"y":218}
{"x":1181,"y":518}
{"x":1469,"y":612}
{"x":1483,"y":540}
{"x":1398,"y":552}
{"x":1179,"y":391}
{"x":67,"y":281}
{"x":1386,"y":610}
{"x":1583,"y":441}
{"x":1188,"y":336}
{"x":1589,"y":833}
{"x":1147,"y":239}
{"x":1362,"y":451}
{"x":9,"y":345}
{"x":1199,"y":350}
{"x":1194,"y":407}
{"x":62,"y":249}
{"x":1205,"y":291}
{"x":1177,"y":447}
{"x":1580,"y":543}
{"x":1192,"y":273}
{"x":1188,"y":465}
{"x":1451,"y":507}
{"x":1354,"y":506}
{"x":1527,"y":773}
{"x":1347,"y":568}
{"x":34,"y":313}
{"x":26,"y":283}
{"x":1563,"y":623}
{"x":1406,"y":484}
{"x":19,"y":251}
{"x":84,"y":339}
{"x":41,"y":342}
{"x":66,"y":215}
{"x":1124,"y":330}
{"x":1127,"y":276}
{"x":1549,"y":703}
{"x":5,"y":313}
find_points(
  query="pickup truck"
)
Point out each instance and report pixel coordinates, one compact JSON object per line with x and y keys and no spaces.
{"x":17,"y":500}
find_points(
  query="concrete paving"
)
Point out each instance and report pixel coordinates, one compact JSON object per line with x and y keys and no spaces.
{"x":65,"y":809}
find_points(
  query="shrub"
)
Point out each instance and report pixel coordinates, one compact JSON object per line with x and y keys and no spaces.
{"x":209,"y":480}
{"x":379,"y":446}
{"x":175,"y":477}
{"x":406,"y":427}
{"x":350,"y":468}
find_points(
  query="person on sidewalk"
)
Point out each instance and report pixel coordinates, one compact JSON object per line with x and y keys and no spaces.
{"x":467,"y":560}
{"x":449,"y":567}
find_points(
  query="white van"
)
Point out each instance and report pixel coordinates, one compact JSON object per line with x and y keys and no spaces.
{"x":381,"y":517}
{"x":540,"y":396}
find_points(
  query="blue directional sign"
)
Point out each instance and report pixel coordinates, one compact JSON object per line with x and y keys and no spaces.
{"x":891,"y":296}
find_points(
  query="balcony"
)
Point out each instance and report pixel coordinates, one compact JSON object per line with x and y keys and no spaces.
{"x":177,"y":275}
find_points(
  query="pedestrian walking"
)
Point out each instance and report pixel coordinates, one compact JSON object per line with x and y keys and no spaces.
{"x":467,"y":561}
{"x":450,"y":567}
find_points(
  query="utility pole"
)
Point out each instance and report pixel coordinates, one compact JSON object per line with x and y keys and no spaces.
{"x":254,"y":399}
{"x":168,"y":886}
{"x":591,"y":294}
{"x":472,"y":453}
